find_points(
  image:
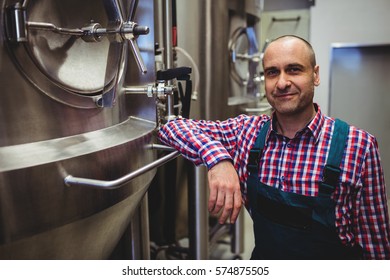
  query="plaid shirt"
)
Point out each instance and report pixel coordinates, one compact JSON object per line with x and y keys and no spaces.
{"x":296,"y":165}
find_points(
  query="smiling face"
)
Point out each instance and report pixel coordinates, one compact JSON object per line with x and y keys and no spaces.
{"x":290,"y":76}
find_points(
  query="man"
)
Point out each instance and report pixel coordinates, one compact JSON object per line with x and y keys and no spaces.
{"x":314,"y":186}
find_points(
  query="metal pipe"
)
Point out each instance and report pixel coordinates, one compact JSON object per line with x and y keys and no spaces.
{"x":161,"y":147}
{"x":138,"y":89}
{"x":168,"y":50}
{"x":197,"y":213}
{"x":137,"y":55}
{"x":101,"y":184}
{"x":138,"y":232}
{"x":168,"y":45}
{"x":144,"y":229}
{"x":149,"y":90}
{"x":51,"y":27}
{"x":237,"y":242}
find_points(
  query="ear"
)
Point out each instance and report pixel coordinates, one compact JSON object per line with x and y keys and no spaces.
{"x":316,"y":75}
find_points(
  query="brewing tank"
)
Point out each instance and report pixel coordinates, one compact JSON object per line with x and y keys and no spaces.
{"x":64,"y":115}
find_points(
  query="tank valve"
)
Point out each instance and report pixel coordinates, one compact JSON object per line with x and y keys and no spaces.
{"x":169,"y":107}
{"x":159,"y":91}
{"x":17,"y":28}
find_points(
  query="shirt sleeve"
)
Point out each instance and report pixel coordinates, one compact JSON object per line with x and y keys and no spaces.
{"x":202,"y":142}
{"x":209,"y":142}
{"x":373,"y":219}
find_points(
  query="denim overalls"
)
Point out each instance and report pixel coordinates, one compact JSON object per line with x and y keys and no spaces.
{"x":292,"y":226}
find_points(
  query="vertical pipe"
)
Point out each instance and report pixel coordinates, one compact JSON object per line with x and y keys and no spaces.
{"x":144,"y":223}
{"x":237,"y":243}
{"x":139,"y":232}
{"x":197,"y":213}
{"x":174,"y":24}
{"x":167,"y":18}
{"x":168,"y":49}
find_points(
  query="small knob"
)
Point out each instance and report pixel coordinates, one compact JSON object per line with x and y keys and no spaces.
{"x":140,"y":30}
{"x":130,"y":30}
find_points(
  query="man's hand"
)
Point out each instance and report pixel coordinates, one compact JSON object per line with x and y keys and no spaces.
{"x":225,"y":191}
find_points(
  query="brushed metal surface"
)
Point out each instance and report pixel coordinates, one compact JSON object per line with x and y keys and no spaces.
{"x":42,"y":152}
{"x":35,"y":199}
{"x":92,"y":237}
{"x":50,"y":127}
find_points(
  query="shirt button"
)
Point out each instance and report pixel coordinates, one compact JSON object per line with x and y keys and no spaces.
{"x":282,"y":178}
{"x":288,"y":145}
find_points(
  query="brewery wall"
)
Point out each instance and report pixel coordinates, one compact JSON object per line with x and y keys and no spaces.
{"x":354,"y":23}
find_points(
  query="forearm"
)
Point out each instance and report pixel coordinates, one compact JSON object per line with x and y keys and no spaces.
{"x":198,"y":141}
{"x":223,"y":147}
{"x":205,"y":143}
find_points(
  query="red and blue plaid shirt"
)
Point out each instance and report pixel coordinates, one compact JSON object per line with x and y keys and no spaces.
{"x":296,"y":165}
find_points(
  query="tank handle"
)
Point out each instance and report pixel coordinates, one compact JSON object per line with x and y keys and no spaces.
{"x":114,"y":184}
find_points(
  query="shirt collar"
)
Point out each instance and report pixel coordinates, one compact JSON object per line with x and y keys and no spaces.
{"x":314,"y":126}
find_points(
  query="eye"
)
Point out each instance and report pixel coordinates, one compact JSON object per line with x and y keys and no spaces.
{"x":293,"y":70}
{"x":271,"y":72}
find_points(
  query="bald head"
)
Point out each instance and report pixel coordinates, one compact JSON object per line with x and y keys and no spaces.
{"x":292,"y":39}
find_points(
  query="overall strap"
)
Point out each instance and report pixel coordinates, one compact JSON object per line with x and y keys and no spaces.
{"x":331,"y":173}
{"x":257,"y":149}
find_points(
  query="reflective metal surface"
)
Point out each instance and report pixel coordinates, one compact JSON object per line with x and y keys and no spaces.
{"x":51,"y":126}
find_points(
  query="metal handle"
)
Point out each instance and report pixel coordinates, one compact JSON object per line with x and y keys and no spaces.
{"x":114,"y":184}
{"x":137,"y":55}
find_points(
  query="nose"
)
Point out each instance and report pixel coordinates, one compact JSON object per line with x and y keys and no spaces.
{"x":283,"y":81}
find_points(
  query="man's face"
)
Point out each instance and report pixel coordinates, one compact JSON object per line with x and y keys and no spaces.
{"x":290,"y":77}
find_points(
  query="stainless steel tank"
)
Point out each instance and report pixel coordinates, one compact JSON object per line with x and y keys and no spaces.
{"x":64,"y":115}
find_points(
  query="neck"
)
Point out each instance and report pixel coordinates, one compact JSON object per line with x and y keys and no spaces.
{"x":289,"y":125}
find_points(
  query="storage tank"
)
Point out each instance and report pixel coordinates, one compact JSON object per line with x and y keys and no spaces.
{"x":74,"y":147}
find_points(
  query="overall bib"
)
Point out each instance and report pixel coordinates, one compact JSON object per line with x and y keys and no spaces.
{"x":292,"y":226}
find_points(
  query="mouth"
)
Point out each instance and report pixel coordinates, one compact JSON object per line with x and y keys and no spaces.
{"x":284,"y":94}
